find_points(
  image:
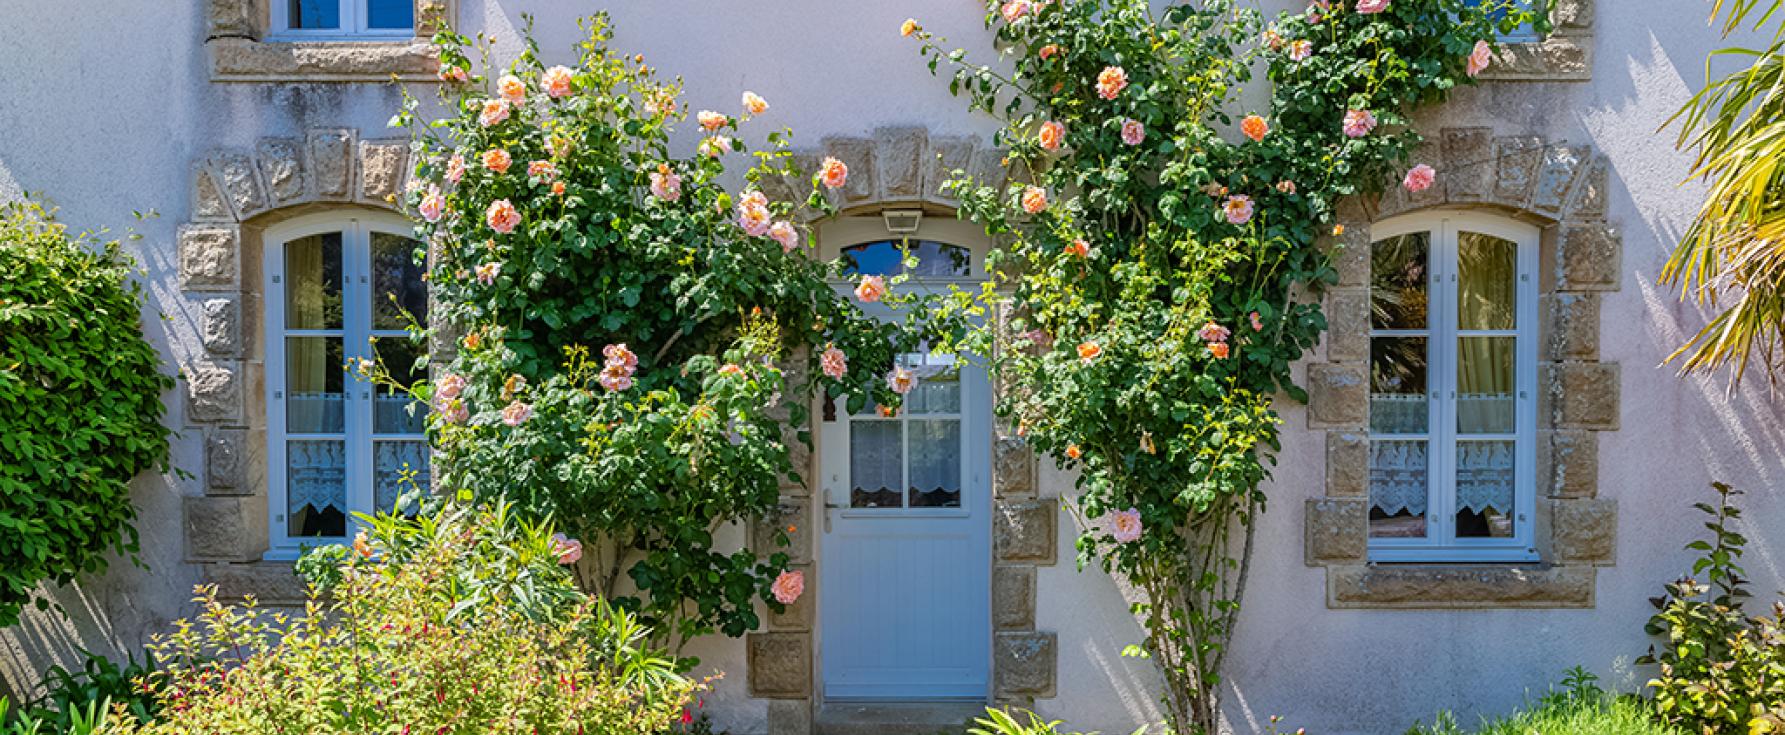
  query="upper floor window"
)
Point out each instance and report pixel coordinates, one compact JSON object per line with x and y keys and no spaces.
{"x":340,"y":290}
{"x":343,"y":18}
{"x":1453,"y":370}
{"x":887,"y":258}
{"x":1497,"y":9}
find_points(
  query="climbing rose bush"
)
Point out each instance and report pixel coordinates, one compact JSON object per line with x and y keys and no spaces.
{"x":1163,"y":264}
{"x":635,"y":332}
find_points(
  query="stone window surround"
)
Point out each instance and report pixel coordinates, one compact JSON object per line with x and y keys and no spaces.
{"x":1565,"y":54}
{"x":1562,"y":188}
{"x":236,"y":45}
{"x":236,"y":193}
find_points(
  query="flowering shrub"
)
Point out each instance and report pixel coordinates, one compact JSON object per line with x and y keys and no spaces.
{"x":625,"y":317}
{"x":463,"y":622}
{"x":1156,"y":259}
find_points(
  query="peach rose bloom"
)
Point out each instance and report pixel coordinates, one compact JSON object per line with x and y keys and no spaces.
{"x":833,"y":362}
{"x":450,"y":387}
{"x":789,"y":586}
{"x":556,"y":81}
{"x":1052,"y":135}
{"x":502,"y":216}
{"x":1111,"y":81}
{"x":833,"y":173}
{"x":455,"y":168}
{"x":1219,"y":350}
{"x":871,"y":289}
{"x":453,"y":74}
{"x":497,"y":160}
{"x":908,"y":27}
{"x":1286,"y":186}
{"x":1367,"y":7}
{"x":511,"y":88}
{"x":557,"y":187}
{"x":1079,"y":248}
{"x":361,"y":546}
{"x":731,"y":368}
{"x":1048,"y":51}
{"x":753,"y":198}
{"x":1133,"y":133}
{"x":1088,"y":351}
{"x":1359,"y":123}
{"x":1212,"y":332}
{"x":1419,"y":178}
{"x":569,"y":550}
{"x":486,"y":273}
{"x":1480,"y":58}
{"x":1014,"y":10}
{"x":432,"y":204}
{"x":784,"y":233}
{"x":1073,"y":451}
{"x":754,"y":219}
{"x":901,"y":380}
{"x":1034,"y":200}
{"x":755,"y":104}
{"x":1125,"y":525}
{"x":1255,"y":128}
{"x":1237,"y":209}
{"x":516,"y":413}
{"x":715,"y":146}
{"x":542,"y":170}
{"x":494,"y":111}
{"x":710,"y":120}
{"x":665,"y":184}
{"x":1300,"y":50}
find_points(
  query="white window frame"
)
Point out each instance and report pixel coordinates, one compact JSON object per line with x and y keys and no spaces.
{"x":1440,"y":544}
{"x":355,"y":25}
{"x":356,"y":331}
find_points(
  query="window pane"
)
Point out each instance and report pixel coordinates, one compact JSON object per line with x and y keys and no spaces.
{"x":1398,"y":385}
{"x":397,"y":413}
{"x":883,"y":258}
{"x":1398,"y":489}
{"x":1485,"y":489}
{"x":390,"y":14}
{"x":397,"y":286}
{"x":935,"y":463}
{"x":1487,"y":286}
{"x":876,"y":463}
{"x":313,"y":282}
{"x":316,"y":488}
{"x":1398,"y":273}
{"x":398,"y":468}
{"x":315,"y":368}
{"x":309,"y":14}
{"x":938,"y":390}
{"x":1485,"y":379}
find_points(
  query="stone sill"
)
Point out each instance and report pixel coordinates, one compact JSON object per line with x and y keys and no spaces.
{"x":247,"y":60}
{"x":1459,"y":586}
{"x":272,"y":583}
{"x":1558,"y":58}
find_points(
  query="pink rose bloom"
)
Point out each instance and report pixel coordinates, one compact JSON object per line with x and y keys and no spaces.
{"x":871,"y":289}
{"x":665,"y":184}
{"x":432,"y":204}
{"x":901,"y":380}
{"x":754,"y":218}
{"x":1359,"y":123}
{"x":1125,"y":524}
{"x":614,"y":378}
{"x":566,"y":548}
{"x":1368,"y":7}
{"x":755,"y":104}
{"x":1480,"y":58}
{"x":486,"y":273}
{"x":710,"y":120}
{"x":497,"y":160}
{"x":542,"y":170}
{"x":784,"y":233}
{"x":1111,"y":81}
{"x":619,"y":355}
{"x":1300,"y":50}
{"x":494,"y":111}
{"x":511,"y":88}
{"x":502,"y":216}
{"x":1014,"y":10}
{"x":789,"y":586}
{"x":450,"y":387}
{"x":753,"y":198}
{"x":1052,"y":135}
{"x":453,"y":74}
{"x":1133,"y":133}
{"x":453,"y":410}
{"x":516,"y":413}
{"x":1034,"y":200}
{"x":1237,"y":209}
{"x":833,"y":363}
{"x":556,"y":81}
{"x":455,"y":168}
{"x":1257,"y":325}
{"x":1419,"y":178}
{"x":833,"y":173}
{"x":715,"y":146}
{"x":1212,"y":332}
{"x":1286,"y":186}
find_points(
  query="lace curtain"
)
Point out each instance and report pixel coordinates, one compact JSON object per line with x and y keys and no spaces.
{"x":316,"y":475}
{"x":1399,"y":476}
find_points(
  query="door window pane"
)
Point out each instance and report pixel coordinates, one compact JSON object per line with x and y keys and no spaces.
{"x":885,"y":258}
{"x":390,"y":15}
{"x":315,"y":369}
{"x":1398,"y":385}
{"x":313,"y":282}
{"x":396,"y":412}
{"x":1398,"y":488}
{"x":876,"y":463}
{"x":317,"y":14}
{"x":1487,"y":282}
{"x":1485,"y":483}
{"x":316,"y":488}
{"x":1398,"y":277}
{"x":397,"y":285}
{"x":1485,"y":384}
{"x":398,"y":468}
{"x":935,"y":463}
{"x":938,"y":390}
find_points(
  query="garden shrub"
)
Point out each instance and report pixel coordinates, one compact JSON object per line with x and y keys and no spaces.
{"x":72,"y":697}
{"x":1721,"y":671}
{"x":80,"y":404}
{"x":1578,"y":707}
{"x":625,"y":317}
{"x":1161,"y":264}
{"x":460,"y":622}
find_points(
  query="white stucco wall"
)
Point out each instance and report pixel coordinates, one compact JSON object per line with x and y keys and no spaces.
{"x":104,"y":108}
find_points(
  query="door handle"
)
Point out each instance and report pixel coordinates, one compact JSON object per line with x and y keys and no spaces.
{"x":828,"y":507}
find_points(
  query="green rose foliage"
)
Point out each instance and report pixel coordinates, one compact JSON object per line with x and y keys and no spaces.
{"x":635,"y":321}
{"x":1159,"y":280}
{"x":80,"y":404}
